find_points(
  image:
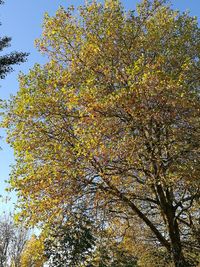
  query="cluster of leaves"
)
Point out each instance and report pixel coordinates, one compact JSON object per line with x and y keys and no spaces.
{"x":112,"y":120}
{"x":33,"y":253}
{"x":79,"y":242}
{"x":69,"y":243}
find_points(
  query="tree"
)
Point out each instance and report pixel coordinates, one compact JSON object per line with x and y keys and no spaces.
{"x":12,"y":241}
{"x":33,"y":253}
{"x":6,"y":61}
{"x":113,"y":119}
{"x":70,"y":243}
{"x":78,"y":241}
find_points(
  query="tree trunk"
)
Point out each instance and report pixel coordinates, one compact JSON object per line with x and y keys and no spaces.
{"x":168,"y":209}
{"x":176,"y":247}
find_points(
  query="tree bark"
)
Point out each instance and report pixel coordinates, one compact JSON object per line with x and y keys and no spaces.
{"x":169,"y":210}
{"x":176,"y":247}
{"x":174,"y":232}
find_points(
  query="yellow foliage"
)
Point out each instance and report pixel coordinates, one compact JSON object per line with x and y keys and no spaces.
{"x":32,"y":255}
{"x":112,"y":120}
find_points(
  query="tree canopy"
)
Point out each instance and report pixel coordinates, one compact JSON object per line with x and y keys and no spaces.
{"x":112,"y":120}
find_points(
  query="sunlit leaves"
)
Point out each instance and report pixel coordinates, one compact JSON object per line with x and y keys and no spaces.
{"x":112,"y":118}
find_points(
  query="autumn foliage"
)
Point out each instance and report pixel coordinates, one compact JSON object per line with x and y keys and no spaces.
{"x":112,"y":121}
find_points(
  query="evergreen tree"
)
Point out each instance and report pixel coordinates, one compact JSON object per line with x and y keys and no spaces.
{"x":8,"y":60}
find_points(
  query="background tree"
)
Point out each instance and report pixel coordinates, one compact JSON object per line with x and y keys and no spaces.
{"x":12,"y":241}
{"x":33,"y":253}
{"x":79,"y":241}
{"x":6,"y":61}
{"x":70,"y":243}
{"x":113,"y":119}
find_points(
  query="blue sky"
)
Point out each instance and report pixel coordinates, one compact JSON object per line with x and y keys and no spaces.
{"x":22,"y":20}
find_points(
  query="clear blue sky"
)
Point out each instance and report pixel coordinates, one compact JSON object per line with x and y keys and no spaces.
{"x":22,"y":20}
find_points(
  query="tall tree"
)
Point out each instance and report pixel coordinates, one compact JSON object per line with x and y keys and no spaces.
{"x":113,"y":119}
{"x":8,"y":60}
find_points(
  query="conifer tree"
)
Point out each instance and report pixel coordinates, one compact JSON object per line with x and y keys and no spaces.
{"x":10,"y":59}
